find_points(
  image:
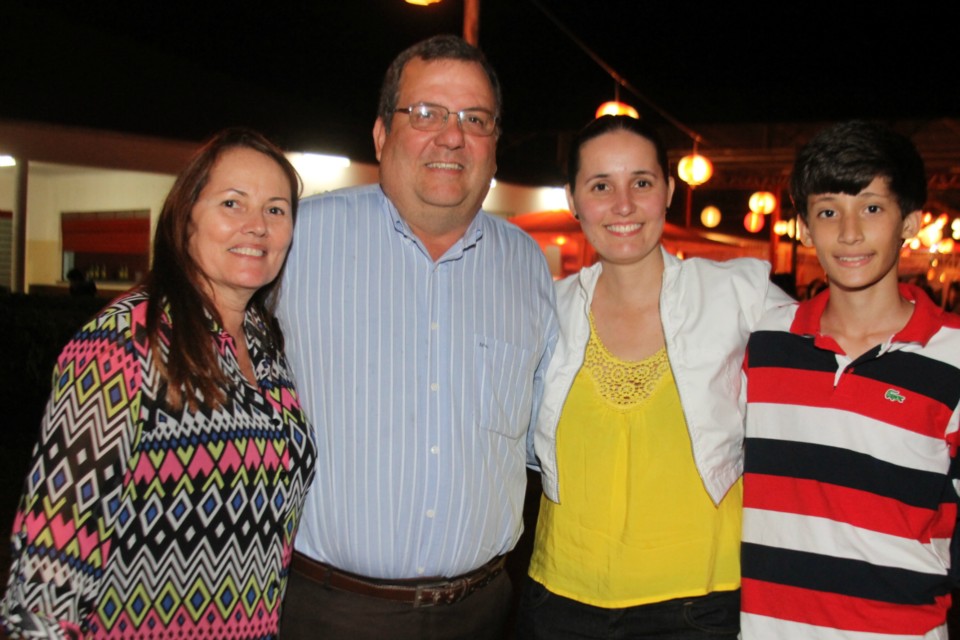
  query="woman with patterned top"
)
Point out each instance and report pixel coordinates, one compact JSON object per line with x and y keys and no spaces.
{"x":167,"y":484}
{"x":638,"y":439}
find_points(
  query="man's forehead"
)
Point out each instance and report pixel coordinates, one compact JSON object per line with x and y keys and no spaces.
{"x":446,"y":74}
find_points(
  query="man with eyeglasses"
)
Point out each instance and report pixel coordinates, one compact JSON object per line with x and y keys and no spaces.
{"x":418,"y":327}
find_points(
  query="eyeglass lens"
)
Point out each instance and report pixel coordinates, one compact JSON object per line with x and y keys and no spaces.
{"x":432,"y":118}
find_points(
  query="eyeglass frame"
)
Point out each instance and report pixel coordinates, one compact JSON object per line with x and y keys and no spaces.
{"x":447,"y":113}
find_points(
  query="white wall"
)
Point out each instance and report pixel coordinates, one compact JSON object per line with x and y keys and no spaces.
{"x":53,"y":189}
{"x":8,"y":183}
{"x":509,"y":200}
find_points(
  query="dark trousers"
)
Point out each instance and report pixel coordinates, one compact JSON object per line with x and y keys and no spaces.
{"x":546,"y":616}
{"x":312,"y":611}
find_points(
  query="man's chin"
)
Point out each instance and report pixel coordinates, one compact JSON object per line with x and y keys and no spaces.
{"x":452,"y":199}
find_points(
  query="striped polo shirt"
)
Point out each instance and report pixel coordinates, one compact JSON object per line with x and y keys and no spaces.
{"x":850,"y":505}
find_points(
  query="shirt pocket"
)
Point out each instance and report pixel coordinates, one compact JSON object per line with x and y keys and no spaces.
{"x":505,"y":391}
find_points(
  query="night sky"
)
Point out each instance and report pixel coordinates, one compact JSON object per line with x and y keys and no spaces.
{"x":307,"y":73}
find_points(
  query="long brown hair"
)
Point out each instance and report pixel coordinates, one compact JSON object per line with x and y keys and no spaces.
{"x":175,"y":281}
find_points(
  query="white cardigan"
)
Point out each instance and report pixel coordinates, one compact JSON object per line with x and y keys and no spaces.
{"x":707,"y":310}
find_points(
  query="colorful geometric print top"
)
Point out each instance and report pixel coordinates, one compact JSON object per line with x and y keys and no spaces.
{"x":141,"y":521}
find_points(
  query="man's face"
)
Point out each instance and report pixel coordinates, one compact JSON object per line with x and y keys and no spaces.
{"x":428,"y":174}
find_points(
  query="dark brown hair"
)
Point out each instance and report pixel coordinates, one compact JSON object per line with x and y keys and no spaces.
{"x":606,"y":124}
{"x":175,"y":283}
{"x":846,"y":157}
{"x":442,"y":47}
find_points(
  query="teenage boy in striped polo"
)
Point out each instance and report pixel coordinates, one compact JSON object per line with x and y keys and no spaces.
{"x":850,"y":506}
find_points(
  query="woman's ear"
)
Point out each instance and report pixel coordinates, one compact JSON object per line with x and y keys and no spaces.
{"x":570,"y":204}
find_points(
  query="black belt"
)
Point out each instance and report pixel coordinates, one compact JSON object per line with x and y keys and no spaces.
{"x":419,"y":593}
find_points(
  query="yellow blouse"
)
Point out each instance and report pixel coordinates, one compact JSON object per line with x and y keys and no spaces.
{"x":636,"y":525}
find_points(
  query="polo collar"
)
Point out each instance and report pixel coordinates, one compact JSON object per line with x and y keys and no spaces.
{"x":924,"y":322}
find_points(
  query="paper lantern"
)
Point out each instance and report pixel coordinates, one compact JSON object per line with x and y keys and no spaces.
{"x":694,"y":169}
{"x":710,"y":217}
{"x":753,"y":222}
{"x":763,"y":202}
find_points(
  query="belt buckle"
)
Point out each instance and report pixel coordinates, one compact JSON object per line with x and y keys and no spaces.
{"x":431,"y":596}
{"x":419,"y":601}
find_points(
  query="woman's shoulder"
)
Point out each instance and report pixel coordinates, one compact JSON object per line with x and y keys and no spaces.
{"x":585,"y":279}
{"x":746,"y":265}
{"x":116,"y":335}
{"x":122,"y":318}
{"x":732,"y":271}
{"x":130,"y":304}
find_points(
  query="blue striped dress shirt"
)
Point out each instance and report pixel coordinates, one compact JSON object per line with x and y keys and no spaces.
{"x":420,"y":379}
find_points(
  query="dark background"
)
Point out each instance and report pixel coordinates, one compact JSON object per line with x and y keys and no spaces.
{"x":308,"y":73}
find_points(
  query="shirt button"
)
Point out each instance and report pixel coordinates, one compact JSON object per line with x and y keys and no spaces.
{"x":431,"y":513}
{"x":434,"y":386}
{"x":434,"y":325}
{"x":421,"y":570}
{"x":434,"y":449}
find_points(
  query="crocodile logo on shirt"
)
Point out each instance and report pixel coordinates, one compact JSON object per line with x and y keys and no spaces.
{"x":894,"y":396}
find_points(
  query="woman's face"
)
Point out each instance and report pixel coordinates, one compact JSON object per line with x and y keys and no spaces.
{"x":241,"y":225}
{"x":621,"y":196}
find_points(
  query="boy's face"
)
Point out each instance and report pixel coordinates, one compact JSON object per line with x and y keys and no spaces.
{"x":858,"y":238}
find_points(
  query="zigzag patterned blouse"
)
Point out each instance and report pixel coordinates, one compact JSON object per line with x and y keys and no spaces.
{"x":139,"y":521}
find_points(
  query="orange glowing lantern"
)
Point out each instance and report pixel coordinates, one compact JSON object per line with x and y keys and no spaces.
{"x":694,"y":169}
{"x":617,"y":108}
{"x":710,"y":217}
{"x":763,"y":202}
{"x":785,"y":228}
{"x":753,"y":222}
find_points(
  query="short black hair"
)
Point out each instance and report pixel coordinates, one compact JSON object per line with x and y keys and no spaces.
{"x":442,"y":47}
{"x":846,"y":157}
{"x":606,"y":124}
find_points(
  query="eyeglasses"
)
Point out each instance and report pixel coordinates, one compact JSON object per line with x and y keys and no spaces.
{"x":432,"y":117}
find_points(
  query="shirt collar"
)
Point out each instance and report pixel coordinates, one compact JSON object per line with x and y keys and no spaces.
{"x":470,"y":237}
{"x":924,"y":322}
{"x":253,"y":328}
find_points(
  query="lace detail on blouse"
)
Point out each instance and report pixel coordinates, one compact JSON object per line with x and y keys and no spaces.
{"x":618,"y":381}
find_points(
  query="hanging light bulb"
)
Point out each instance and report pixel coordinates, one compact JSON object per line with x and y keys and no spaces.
{"x":616,"y":108}
{"x":710,"y":217}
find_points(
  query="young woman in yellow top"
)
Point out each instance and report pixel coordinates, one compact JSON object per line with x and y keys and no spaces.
{"x":640,"y":432}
